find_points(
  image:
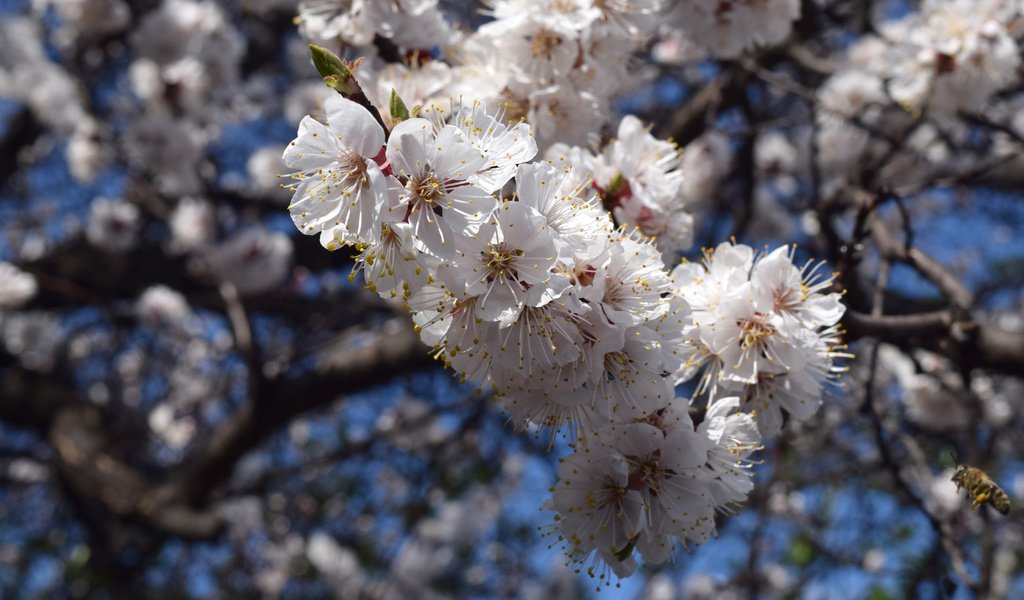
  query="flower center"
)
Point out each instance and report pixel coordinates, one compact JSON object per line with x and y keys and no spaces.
{"x":646,"y":472}
{"x":786,"y":299}
{"x":944,"y":63}
{"x":500,"y":261}
{"x":516,"y":107}
{"x":754,"y":330}
{"x":608,"y":495}
{"x":388,"y":236}
{"x":615,"y":194}
{"x":426,"y":189}
{"x":563,"y":6}
{"x":544,"y":43}
{"x":353,"y":169}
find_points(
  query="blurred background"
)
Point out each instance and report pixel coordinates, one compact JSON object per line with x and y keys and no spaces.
{"x":196,"y":402}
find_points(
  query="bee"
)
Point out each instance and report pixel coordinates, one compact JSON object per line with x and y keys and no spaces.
{"x":980,"y":488}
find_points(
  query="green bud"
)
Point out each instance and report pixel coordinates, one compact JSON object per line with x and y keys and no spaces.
{"x":326,"y":62}
{"x":399,"y":112}
{"x":338,"y":73}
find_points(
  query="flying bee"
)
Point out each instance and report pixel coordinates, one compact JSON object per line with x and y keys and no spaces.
{"x":980,"y":488}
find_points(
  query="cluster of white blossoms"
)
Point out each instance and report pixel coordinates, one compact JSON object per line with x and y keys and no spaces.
{"x":647,"y":484}
{"x":27,"y":76}
{"x":639,"y":180}
{"x":113,"y":224}
{"x":556,"y":63}
{"x":408,"y":23}
{"x":951,"y":56}
{"x":517,"y":276}
{"x":932,"y":394}
{"x":727,"y":28}
{"x":761,"y":329}
{"x":545,"y":280}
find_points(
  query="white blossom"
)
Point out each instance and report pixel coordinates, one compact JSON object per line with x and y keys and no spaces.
{"x":339,"y":564}
{"x":28,"y":76}
{"x":18,"y":286}
{"x":264,"y":167}
{"x":705,"y":162}
{"x":416,"y":84}
{"x":730,"y":27}
{"x":88,"y":152}
{"x":509,"y":264}
{"x":504,"y":146}
{"x":161,"y":305}
{"x":338,"y":185}
{"x":34,"y":337}
{"x":253,"y":260}
{"x":651,"y":483}
{"x":640,"y":181}
{"x":542,"y":51}
{"x":437,"y":198}
{"x":113,"y":224}
{"x":193,"y":224}
{"x":166,"y":148}
{"x":175,"y":430}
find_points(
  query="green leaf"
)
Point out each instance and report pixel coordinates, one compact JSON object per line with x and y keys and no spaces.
{"x":399,"y":112}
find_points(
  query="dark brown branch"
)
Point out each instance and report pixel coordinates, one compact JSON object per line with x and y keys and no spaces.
{"x":931,"y":269}
{"x":32,"y":400}
{"x":897,"y":328}
{"x":893,"y":465}
{"x":691,"y":119}
{"x":22,"y":130}
{"x":82,"y":440}
{"x":979,"y":345}
{"x":998,"y":350}
{"x":80,"y":434}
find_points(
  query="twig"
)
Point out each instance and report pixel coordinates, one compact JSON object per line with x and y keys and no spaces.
{"x":689,"y":121}
{"x":927,"y":266}
{"x":239,"y":321}
{"x":892,"y":465}
{"x":394,"y":350}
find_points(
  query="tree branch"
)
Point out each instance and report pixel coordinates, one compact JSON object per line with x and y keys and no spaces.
{"x":691,"y":120}
{"x":22,"y":130}
{"x":92,"y":471}
{"x":347,"y":367}
{"x":84,"y":440}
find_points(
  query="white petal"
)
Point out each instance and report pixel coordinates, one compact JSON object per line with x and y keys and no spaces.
{"x":409,"y":145}
{"x":314,"y":147}
{"x":354,"y":126}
